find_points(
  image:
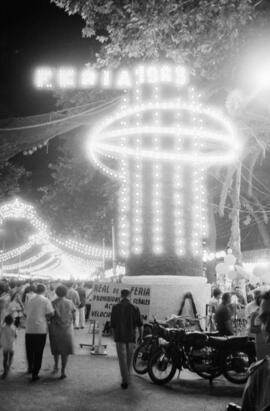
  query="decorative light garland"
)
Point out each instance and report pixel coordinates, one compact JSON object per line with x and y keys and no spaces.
{"x":179,"y":228}
{"x":137,"y":217}
{"x":157,"y":211}
{"x":24,"y":263}
{"x":124,"y":192}
{"x":20,"y":209}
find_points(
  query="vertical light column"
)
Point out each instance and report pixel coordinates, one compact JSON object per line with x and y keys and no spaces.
{"x":137,"y":237}
{"x":199,"y":214}
{"x":178,"y":204}
{"x":203,"y":193}
{"x":157,"y":212}
{"x":124,"y":193}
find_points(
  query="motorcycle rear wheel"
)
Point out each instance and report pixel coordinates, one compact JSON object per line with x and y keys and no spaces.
{"x":161,"y":368}
{"x":236,"y":365}
{"x":141,"y":357}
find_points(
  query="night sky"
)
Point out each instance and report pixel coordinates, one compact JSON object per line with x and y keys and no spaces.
{"x":35,"y":32}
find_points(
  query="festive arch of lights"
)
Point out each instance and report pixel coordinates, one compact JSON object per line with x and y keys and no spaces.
{"x":49,"y":258}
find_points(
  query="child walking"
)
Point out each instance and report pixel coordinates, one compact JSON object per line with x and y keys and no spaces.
{"x":8,"y":334}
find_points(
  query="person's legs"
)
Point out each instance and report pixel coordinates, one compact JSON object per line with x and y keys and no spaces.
{"x":10,"y":358}
{"x":40,"y":340}
{"x":121,"y":349}
{"x":76,"y":324}
{"x":87,"y":311}
{"x":82,"y":317}
{"x":130,"y":350}
{"x":64,"y":360}
{"x":56,"y":361}
{"x":29,"y":346}
{"x":5,"y":363}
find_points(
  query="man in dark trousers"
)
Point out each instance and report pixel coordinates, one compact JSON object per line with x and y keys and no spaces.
{"x":125,"y":318}
{"x":38,"y":311}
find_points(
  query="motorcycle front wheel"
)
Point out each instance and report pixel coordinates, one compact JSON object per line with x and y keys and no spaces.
{"x":161,"y":367}
{"x":141,"y":357}
{"x":236,"y":365}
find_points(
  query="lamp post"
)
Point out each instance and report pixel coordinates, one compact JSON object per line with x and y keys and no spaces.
{"x":113,"y":249}
{"x":2,"y":234}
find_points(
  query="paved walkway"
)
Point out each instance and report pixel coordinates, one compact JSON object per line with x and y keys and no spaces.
{"x":93,"y":383}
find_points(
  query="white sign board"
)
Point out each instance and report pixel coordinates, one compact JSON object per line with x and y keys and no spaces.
{"x":105,"y":295}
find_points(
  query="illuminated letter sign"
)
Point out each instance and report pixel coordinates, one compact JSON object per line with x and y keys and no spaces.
{"x":89,"y":77}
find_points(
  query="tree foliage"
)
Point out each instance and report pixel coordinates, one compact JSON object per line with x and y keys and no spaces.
{"x":203,"y":34}
{"x":12,"y":178}
{"x":79,"y":202}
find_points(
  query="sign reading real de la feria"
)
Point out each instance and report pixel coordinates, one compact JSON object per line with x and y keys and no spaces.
{"x":105,"y":295}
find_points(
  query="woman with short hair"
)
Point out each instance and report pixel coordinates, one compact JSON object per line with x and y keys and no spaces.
{"x":61,"y":329}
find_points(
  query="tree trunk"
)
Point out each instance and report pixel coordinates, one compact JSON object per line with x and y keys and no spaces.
{"x":235,"y":238}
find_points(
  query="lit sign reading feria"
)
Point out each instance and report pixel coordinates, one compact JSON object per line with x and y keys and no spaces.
{"x":105,"y":295}
{"x":88,"y":77}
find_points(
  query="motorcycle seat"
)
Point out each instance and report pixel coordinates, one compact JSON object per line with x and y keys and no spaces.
{"x":228,"y":342}
{"x":218,"y":342}
{"x":196,"y":339}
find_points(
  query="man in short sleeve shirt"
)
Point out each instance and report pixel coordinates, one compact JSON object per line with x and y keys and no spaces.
{"x":125,"y":318}
{"x":38,"y":311}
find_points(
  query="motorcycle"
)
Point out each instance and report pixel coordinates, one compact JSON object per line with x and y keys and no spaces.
{"x":152,"y":332}
{"x":206,"y":355}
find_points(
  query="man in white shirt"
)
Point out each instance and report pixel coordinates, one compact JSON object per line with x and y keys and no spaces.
{"x":38,"y":311}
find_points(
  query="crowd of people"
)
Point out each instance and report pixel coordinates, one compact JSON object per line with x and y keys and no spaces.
{"x":226,"y":309}
{"x":54,"y":309}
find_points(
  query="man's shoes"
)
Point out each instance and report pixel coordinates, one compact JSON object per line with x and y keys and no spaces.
{"x":124,"y":385}
{"x":4,"y":375}
{"x":62,"y":377}
{"x":35,"y":378}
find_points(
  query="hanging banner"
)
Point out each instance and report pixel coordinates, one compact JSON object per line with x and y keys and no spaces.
{"x":105,"y":295}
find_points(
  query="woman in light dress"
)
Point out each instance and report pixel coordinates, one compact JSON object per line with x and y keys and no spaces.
{"x":61,"y":329}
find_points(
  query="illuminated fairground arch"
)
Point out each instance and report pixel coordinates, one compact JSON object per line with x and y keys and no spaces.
{"x":44,"y":253}
{"x":158,"y":144}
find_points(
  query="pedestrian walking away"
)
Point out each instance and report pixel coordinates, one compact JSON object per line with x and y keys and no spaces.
{"x":125,"y":319}
{"x":38,"y":312}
